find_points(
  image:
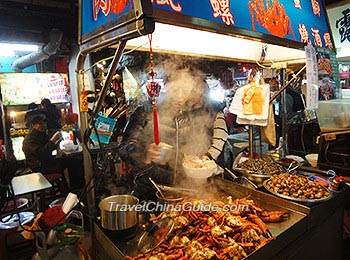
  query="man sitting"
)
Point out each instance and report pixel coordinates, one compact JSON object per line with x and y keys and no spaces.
{"x":38,"y":148}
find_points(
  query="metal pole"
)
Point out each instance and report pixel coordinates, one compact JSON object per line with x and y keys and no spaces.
{"x":251,"y":143}
{"x":283,"y":111}
{"x":86,"y":122}
{"x":88,"y":167}
{"x":286,"y":85}
{"x":117,"y":56}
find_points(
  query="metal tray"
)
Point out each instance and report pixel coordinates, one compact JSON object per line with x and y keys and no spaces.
{"x":303,"y":201}
{"x":255,"y":177}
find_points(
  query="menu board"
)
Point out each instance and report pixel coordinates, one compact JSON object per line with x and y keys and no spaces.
{"x":25,"y":88}
{"x":312,"y":77}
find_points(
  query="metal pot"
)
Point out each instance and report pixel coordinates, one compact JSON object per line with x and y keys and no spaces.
{"x":118,"y":212}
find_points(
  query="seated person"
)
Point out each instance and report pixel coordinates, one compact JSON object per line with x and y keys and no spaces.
{"x":38,"y":148}
{"x":33,"y":111}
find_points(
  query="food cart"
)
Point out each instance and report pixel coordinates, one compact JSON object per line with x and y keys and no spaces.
{"x":288,"y":28}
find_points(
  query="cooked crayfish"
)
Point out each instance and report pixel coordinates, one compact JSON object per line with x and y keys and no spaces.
{"x":216,"y":234}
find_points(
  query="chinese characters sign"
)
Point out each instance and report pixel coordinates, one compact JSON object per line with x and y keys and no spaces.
{"x":339,"y":19}
{"x":24,"y":88}
{"x":312,"y":78}
{"x":301,"y":21}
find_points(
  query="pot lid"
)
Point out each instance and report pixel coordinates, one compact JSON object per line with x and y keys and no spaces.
{"x":155,"y":234}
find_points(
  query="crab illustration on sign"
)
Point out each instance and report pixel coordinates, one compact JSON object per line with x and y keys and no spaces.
{"x":272,"y":17}
{"x":118,"y":6}
{"x":107,"y":6}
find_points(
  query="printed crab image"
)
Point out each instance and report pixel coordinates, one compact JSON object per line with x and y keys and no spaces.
{"x":118,"y":6}
{"x":272,"y":17}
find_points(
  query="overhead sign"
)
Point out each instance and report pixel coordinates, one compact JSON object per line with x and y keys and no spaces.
{"x":339,"y":19}
{"x":100,"y":17}
{"x":299,"y":21}
{"x":25,"y":88}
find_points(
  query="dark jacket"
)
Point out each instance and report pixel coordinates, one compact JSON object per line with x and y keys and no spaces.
{"x":38,"y":148}
{"x":53,"y":117}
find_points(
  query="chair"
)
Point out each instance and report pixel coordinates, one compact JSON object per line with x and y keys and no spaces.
{"x":59,"y":189}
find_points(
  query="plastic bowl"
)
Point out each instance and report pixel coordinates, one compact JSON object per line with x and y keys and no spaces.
{"x":200,"y":174}
{"x":312,"y":159}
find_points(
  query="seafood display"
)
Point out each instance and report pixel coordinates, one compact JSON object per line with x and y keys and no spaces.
{"x":295,"y":186}
{"x":215,"y":234}
{"x":266,"y":166}
{"x":272,"y":17}
{"x":324,"y":65}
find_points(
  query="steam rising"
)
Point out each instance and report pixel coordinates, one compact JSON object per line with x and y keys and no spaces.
{"x":179,"y":104}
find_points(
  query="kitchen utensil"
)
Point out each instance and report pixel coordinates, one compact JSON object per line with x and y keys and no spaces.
{"x":242,"y":180}
{"x":177,"y":189}
{"x":293,"y":166}
{"x":155,"y":234}
{"x":118,"y":212}
{"x":157,"y":188}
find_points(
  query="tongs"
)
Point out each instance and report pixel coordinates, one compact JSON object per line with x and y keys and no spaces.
{"x":169,"y":188}
{"x":293,"y":166}
{"x":244,"y":178}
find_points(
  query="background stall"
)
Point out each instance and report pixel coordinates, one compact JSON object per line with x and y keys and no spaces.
{"x":241,"y":26}
{"x":19,"y":90}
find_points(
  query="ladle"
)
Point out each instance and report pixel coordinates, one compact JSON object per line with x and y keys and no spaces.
{"x":156,"y":186}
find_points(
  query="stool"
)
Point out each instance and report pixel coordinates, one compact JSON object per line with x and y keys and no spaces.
{"x":59,"y":189}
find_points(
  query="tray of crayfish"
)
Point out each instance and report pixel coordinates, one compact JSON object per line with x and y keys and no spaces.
{"x":235,"y":224}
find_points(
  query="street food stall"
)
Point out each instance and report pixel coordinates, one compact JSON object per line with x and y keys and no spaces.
{"x":273,"y":33}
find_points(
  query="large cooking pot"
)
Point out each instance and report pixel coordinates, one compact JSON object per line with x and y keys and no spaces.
{"x":118,"y":212}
